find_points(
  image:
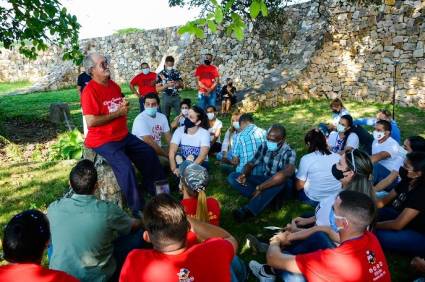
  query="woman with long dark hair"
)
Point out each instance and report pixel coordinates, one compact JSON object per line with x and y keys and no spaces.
{"x":401,"y":223}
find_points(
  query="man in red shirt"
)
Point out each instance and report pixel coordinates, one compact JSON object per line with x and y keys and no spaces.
{"x":208,"y":79}
{"x":145,"y":83}
{"x":358,"y":258}
{"x":24,"y":242}
{"x":105,"y":110}
{"x":172,"y":259}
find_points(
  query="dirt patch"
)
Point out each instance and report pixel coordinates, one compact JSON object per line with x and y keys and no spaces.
{"x":29,"y":132}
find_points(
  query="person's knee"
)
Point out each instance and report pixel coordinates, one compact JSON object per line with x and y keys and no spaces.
{"x":231,"y":179}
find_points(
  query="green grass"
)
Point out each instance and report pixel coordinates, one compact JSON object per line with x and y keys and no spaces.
{"x":35,"y":184}
{"x":10,"y":87}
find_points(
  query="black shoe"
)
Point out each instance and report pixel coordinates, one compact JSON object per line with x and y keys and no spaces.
{"x":241,"y":215}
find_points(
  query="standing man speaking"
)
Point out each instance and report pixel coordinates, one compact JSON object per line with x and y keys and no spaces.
{"x":208,"y":78}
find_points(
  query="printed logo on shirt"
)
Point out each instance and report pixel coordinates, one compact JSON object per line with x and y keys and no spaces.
{"x":156,"y":132}
{"x":399,"y":200}
{"x":184,"y":275}
{"x":113,"y":104}
{"x":187,"y":150}
{"x":376,"y":268}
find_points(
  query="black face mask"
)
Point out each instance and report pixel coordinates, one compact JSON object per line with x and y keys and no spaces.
{"x":188,"y":123}
{"x":207,"y":62}
{"x":338,"y":174}
{"x":230,"y":84}
{"x":402,"y":172}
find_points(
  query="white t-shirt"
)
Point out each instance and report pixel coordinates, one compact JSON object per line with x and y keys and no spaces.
{"x":217,"y":125}
{"x":191,"y":144}
{"x":316,"y":170}
{"x":323,"y":210}
{"x":335,"y":142}
{"x":144,"y":125}
{"x":391,"y":147}
{"x":337,"y":117}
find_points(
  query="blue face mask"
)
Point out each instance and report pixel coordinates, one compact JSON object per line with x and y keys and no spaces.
{"x":272,"y":146}
{"x":332,"y":221}
{"x":146,"y":70}
{"x":151,"y":111}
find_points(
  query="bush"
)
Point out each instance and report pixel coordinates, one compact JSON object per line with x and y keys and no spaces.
{"x":68,"y":146}
{"x":127,"y":30}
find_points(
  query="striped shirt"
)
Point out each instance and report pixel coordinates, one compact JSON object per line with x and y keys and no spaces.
{"x":246,"y":145}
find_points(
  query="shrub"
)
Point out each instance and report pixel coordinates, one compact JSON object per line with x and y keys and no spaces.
{"x":68,"y":146}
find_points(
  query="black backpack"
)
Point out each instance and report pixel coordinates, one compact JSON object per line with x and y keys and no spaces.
{"x":365,"y":139}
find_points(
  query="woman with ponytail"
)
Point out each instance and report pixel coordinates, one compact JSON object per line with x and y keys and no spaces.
{"x":193,"y":183}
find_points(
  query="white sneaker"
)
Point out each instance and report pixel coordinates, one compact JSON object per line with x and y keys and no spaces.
{"x":258,"y":270}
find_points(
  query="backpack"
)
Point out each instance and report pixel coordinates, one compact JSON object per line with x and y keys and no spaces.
{"x":365,"y":139}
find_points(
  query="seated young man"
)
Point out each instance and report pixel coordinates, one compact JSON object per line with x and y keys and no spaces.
{"x":359,"y":257}
{"x":150,"y":126}
{"x":277,"y":159}
{"x":172,"y":258}
{"x":25,"y":239}
{"x":386,"y":153}
{"x":382,"y":115}
{"x":90,"y":237}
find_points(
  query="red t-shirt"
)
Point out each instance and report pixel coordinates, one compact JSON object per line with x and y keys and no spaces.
{"x":31,"y":272}
{"x":213,"y":207}
{"x":206,"y":74}
{"x":98,"y":99}
{"x":145,"y":83}
{"x":208,"y":261}
{"x":360,"y":259}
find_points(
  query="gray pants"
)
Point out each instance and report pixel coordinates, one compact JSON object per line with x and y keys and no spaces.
{"x":169,"y":102}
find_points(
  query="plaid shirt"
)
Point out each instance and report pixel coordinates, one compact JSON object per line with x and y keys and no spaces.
{"x":246,"y":145}
{"x":273,"y":161}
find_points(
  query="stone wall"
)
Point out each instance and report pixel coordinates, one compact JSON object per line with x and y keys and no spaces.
{"x":337,"y":49}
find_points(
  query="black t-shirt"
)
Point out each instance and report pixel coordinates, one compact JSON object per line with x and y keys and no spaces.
{"x":413,"y":199}
{"x":226,"y":94}
{"x":82,"y":80}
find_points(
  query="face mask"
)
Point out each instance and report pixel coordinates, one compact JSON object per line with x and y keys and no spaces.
{"x":336,"y":111}
{"x":378,"y":135}
{"x":230,"y":84}
{"x":338,"y":174}
{"x":236,"y":125}
{"x":146,"y":70}
{"x":402,"y":172}
{"x":188,"y":123}
{"x":210,"y":116}
{"x":151,"y":111}
{"x":185,"y":112}
{"x":402,"y":152}
{"x":271,"y":146}
{"x":340,"y":128}
{"x":207,"y":62}
{"x":168,"y":68}
{"x":332,"y":221}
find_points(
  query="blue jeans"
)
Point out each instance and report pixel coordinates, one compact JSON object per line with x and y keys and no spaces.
{"x":305,"y":199}
{"x":379,"y":173}
{"x":257,"y":204}
{"x":142,"y":104}
{"x":238,"y":270}
{"x":205,"y":101}
{"x":405,"y":241}
{"x":120,"y":155}
{"x":317,"y":241}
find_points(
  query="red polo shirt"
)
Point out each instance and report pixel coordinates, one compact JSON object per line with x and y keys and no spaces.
{"x":206,"y":74}
{"x":98,"y":99}
{"x":31,"y":272}
{"x":145,"y":83}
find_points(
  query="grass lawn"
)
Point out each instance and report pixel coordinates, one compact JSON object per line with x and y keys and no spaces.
{"x":34,"y":184}
{"x":6,"y":88}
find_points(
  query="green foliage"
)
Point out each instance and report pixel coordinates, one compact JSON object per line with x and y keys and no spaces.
{"x":226,"y":14}
{"x":34,"y":25}
{"x":128,"y":30}
{"x":9,"y":87}
{"x":68,"y":146}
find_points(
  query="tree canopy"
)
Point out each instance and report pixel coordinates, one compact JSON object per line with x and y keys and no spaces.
{"x":33,"y":25}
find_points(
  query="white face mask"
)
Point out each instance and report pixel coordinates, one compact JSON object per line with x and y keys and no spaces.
{"x":168,"y":68}
{"x":185,"y":112}
{"x":340,"y":128}
{"x":236,"y":125}
{"x":402,"y":152}
{"x":378,"y":135}
{"x":210,"y":116}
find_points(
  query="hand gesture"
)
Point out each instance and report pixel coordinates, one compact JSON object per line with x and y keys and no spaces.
{"x":281,"y":238}
{"x":123,"y":108}
{"x":300,"y":221}
{"x":241,"y":179}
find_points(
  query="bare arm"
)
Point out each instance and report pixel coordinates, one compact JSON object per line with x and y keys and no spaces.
{"x":98,"y":120}
{"x":305,"y":233}
{"x":214,"y":85}
{"x":406,"y":216}
{"x":202,"y":155}
{"x":79,"y":89}
{"x":149,"y":140}
{"x":279,"y":260}
{"x":216,"y":135}
{"x":167,"y":136}
{"x":380,"y":203}
{"x":134,"y":90}
{"x":175,"y":123}
{"x":205,"y":231}
{"x":299,"y":184}
{"x":278,"y":178}
{"x":379,"y":156}
{"x":172,"y":156}
{"x":384,"y":183}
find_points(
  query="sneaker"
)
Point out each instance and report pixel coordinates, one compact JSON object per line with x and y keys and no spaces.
{"x":256,"y":245}
{"x":258,"y":270}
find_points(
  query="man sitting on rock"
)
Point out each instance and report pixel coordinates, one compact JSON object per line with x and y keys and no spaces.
{"x":278,"y":160}
{"x":105,"y":110}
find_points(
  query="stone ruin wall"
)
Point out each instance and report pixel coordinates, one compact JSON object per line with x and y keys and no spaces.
{"x":353,"y":55}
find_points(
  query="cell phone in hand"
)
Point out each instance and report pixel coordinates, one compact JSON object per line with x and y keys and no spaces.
{"x":162,"y":186}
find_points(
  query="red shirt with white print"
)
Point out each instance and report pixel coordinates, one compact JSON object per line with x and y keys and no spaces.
{"x":98,"y":99}
{"x":208,"y":261}
{"x":355,"y":260}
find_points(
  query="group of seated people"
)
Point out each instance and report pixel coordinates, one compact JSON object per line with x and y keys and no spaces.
{"x":364,"y":201}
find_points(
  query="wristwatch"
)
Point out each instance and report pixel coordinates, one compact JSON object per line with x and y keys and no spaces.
{"x":257,"y":188}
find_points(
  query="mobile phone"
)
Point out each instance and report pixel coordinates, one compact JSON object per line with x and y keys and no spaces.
{"x":162,"y":186}
{"x":274,"y":228}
